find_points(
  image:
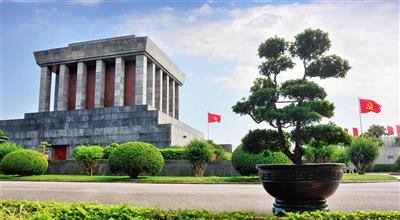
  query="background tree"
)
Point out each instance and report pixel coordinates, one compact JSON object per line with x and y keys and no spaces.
{"x":200,"y":153}
{"x":376,"y":131}
{"x":295,"y":104}
{"x":363,"y":151}
{"x":44,"y":147}
{"x":88,"y":156}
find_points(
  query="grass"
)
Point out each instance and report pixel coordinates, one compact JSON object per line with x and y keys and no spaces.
{"x":347,"y":178}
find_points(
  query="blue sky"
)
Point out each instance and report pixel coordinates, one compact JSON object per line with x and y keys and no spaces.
{"x":215,"y":44}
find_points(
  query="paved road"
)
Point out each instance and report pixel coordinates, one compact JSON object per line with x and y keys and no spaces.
{"x":218,"y":197}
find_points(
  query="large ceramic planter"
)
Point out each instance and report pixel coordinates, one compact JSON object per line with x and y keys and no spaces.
{"x":299,"y":188}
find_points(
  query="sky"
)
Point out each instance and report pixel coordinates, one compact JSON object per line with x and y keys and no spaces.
{"x":215,"y":43}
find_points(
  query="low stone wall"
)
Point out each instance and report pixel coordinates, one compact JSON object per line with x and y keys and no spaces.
{"x":171,"y":168}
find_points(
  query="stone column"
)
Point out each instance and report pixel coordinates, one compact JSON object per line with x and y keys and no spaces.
{"x":172,"y":97}
{"x":45,"y":89}
{"x":56,"y":96}
{"x":165,"y":93}
{"x":63,"y":84}
{"x":141,"y":80}
{"x":176,"y":100}
{"x":81,"y":77}
{"x":119,"y":81}
{"x":159,"y":89}
{"x":151,"y":81}
{"x":100,"y":84}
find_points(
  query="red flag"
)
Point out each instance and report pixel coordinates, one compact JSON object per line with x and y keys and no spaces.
{"x":214,"y":118}
{"x":398,"y":129}
{"x":390,"y":130}
{"x":346,"y":130}
{"x":355,"y":132}
{"x":367,"y":105}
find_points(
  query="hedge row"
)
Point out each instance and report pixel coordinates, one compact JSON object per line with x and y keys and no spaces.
{"x":11,"y":209}
{"x":174,"y":154}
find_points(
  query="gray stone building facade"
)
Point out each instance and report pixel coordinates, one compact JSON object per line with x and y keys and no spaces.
{"x":110,"y":90}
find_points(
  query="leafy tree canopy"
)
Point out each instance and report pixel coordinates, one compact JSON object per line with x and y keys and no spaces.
{"x":293,"y":108}
{"x":376,"y":131}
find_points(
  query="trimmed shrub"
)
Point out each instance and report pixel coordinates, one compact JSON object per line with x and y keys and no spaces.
{"x":133,"y":158}
{"x":200,"y":153}
{"x":363,"y":151}
{"x":3,"y":137}
{"x":24,"y":163}
{"x":88,"y":156}
{"x":174,"y":153}
{"x":340,"y":156}
{"x":218,"y":151}
{"x":7,"y":147}
{"x":245,"y":163}
{"x":107,"y":150}
{"x":396,"y":165}
{"x":16,"y":209}
{"x":382,"y":167}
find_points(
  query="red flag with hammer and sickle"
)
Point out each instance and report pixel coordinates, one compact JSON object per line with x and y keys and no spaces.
{"x":367,"y":105}
{"x":214,"y":118}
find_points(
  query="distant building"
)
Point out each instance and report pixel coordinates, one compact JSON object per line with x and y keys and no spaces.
{"x":389,"y":151}
{"x":109,"y":90}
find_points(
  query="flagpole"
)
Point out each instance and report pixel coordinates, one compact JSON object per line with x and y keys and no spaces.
{"x":359,"y":114}
{"x":208,"y":128}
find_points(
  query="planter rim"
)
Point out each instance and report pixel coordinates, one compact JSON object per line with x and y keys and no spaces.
{"x":280,"y":166}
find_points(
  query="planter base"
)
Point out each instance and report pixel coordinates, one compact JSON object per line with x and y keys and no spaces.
{"x":291,"y":206}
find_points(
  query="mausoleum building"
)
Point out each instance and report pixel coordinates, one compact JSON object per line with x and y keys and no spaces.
{"x":109,"y":90}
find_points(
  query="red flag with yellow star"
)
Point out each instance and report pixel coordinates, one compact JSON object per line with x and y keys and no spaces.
{"x":214,"y":118}
{"x":367,"y":105}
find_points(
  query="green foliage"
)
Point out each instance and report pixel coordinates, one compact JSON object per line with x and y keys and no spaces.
{"x":107,"y":150}
{"x":245,"y":163}
{"x":8,"y":147}
{"x":200,"y":153}
{"x":297,"y":105}
{"x":13,"y":209}
{"x":43,"y":147}
{"x":24,"y":163}
{"x":82,"y":210}
{"x":338,"y":215}
{"x":363,"y":151}
{"x":218,"y":151}
{"x":397,"y":140}
{"x":88,"y":156}
{"x":383,"y":167}
{"x":133,"y":158}
{"x":396,"y":165}
{"x":319,"y":154}
{"x":174,"y":154}
{"x":340,"y":156}
{"x":3,"y":137}
{"x":376,"y":131}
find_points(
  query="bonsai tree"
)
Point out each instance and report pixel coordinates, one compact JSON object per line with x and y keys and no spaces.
{"x":43,"y":147}
{"x":88,"y":156}
{"x":376,"y":131}
{"x":293,"y":108}
{"x":363,"y":151}
{"x":200,"y":153}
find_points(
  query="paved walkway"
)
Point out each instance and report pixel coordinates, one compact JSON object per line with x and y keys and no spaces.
{"x":218,"y":197}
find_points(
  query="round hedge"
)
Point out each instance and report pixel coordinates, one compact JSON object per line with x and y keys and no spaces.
{"x":107,"y":150}
{"x":245,"y":163}
{"x":7,"y":147}
{"x":24,"y":163}
{"x":133,"y":158}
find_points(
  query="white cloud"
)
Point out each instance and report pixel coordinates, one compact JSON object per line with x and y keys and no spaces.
{"x":85,"y":2}
{"x":242,"y":78}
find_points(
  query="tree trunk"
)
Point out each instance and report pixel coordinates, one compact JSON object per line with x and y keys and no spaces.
{"x":134,"y":174}
{"x":89,"y":172}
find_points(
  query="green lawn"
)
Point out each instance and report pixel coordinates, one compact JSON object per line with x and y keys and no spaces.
{"x":347,"y":178}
